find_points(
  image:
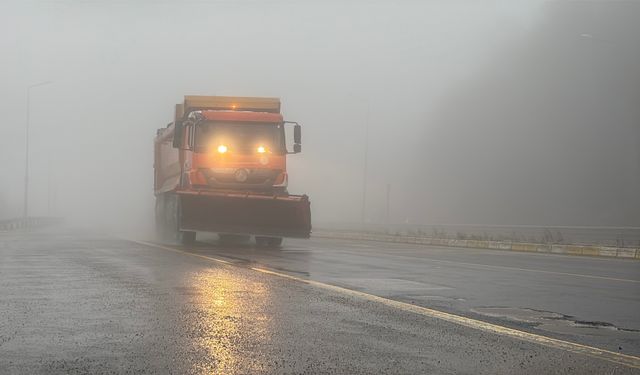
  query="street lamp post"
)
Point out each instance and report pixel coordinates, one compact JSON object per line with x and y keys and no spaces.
{"x":388,"y":206}
{"x":363,"y":208}
{"x":25,"y":211}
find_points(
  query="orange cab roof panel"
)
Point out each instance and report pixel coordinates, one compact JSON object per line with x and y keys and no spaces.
{"x":242,"y":116}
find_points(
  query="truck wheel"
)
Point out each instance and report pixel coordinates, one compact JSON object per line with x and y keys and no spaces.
{"x":226,"y":238}
{"x":186,"y":237}
{"x":171,"y":219}
{"x":170,"y":222}
{"x":159,"y":218}
{"x":275,"y":241}
{"x":271,"y":242}
{"x":280,"y":191}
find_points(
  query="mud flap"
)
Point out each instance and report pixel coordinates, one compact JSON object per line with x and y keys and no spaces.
{"x":256,"y":214}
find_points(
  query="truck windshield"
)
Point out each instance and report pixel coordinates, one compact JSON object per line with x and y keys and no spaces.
{"x":240,"y":137}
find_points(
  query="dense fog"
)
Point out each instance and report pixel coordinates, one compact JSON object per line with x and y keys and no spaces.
{"x":492,"y":112}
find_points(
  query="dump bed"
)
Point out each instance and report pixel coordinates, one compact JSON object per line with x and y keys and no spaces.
{"x":230,"y":103}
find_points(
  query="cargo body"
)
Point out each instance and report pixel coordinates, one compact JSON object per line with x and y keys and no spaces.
{"x":220,"y":167}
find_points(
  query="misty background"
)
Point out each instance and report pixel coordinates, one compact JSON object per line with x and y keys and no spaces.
{"x":493,"y":112}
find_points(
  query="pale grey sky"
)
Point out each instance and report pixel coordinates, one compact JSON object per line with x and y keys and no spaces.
{"x":497,"y":112}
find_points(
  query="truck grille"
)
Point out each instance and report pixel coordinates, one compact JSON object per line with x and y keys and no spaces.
{"x":223,"y":177}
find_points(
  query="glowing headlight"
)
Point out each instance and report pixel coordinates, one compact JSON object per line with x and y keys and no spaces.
{"x":261,"y":149}
{"x":222,"y":149}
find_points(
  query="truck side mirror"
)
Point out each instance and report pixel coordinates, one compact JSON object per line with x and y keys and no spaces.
{"x":297,"y":148}
{"x":297,"y":134}
{"x":177,"y":134}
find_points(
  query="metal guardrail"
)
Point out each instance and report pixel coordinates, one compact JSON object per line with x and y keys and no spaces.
{"x":27,"y":223}
{"x":610,"y":236}
{"x":567,"y":249}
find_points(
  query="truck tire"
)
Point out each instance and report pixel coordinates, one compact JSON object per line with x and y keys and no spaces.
{"x":228,"y":239}
{"x":172,"y":219}
{"x":160,"y":222}
{"x":168,"y":217}
{"x":183,"y":237}
{"x":270,"y":242}
{"x":186,"y":237}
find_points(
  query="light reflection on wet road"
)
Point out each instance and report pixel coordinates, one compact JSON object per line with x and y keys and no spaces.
{"x":222,"y":305}
{"x":593,"y":301}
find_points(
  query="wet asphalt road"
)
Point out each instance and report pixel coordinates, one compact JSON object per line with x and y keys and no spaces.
{"x":88,"y":303}
{"x":594,"y":301}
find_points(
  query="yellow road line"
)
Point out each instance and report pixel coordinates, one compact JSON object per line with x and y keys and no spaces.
{"x":622,"y":359}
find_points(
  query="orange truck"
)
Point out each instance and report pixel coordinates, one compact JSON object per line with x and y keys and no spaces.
{"x":221,"y":166}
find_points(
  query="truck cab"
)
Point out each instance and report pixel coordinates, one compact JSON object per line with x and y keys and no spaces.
{"x":234,"y":143}
{"x":237,"y":150}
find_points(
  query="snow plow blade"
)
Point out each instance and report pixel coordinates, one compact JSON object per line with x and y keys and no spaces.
{"x":245,"y":213}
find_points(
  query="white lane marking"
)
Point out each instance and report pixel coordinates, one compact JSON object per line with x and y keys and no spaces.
{"x":619,"y":358}
{"x":380,"y":285}
{"x":512,"y":268}
{"x":181,"y":251}
{"x":361,"y":246}
{"x":536,"y":271}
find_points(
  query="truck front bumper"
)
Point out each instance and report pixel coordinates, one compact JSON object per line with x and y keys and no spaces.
{"x":245,"y":213}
